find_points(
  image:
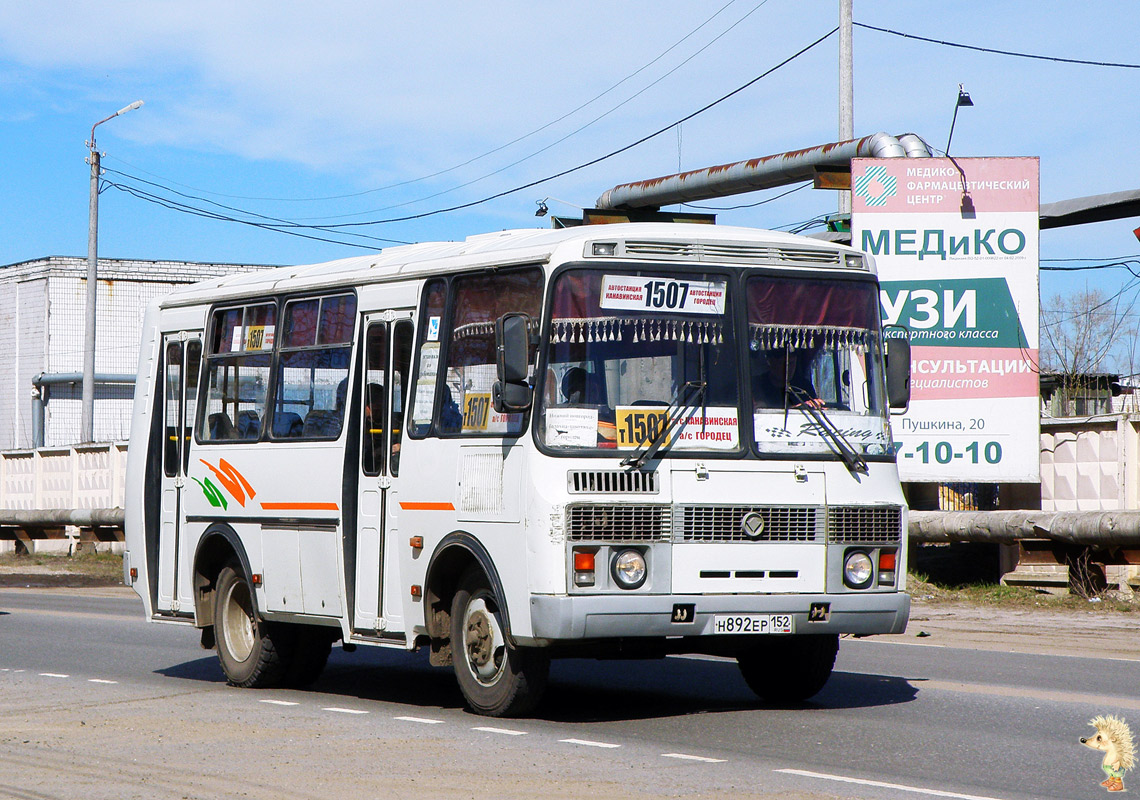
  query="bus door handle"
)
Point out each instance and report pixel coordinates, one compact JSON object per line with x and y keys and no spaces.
{"x":384,"y":481}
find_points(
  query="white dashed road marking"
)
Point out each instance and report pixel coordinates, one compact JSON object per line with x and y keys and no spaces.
{"x":503,"y":731}
{"x":421,"y":720}
{"x":687,"y":757}
{"x":588,"y":743}
{"x":280,"y":702}
{"x":100,"y":680}
{"x":53,"y":675}
{"x":345,"y":710}
{"x":883,"y":785}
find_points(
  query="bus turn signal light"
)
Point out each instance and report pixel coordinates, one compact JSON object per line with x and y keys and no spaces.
{"x":417,"y":542}
{"x":583,"y":568}
{"x":887,"y":560}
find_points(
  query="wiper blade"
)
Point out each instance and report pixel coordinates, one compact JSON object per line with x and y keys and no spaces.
{"x":684,"y":408}
{"x":850,"y":456}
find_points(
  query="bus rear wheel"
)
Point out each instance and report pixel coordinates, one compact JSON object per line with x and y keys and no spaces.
{"x":789,"y":669}
{"x":496,"y":679}
{"x":249,"y":649}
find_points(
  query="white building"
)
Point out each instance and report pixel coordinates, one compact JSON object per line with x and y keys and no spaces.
{"x":42,"y":304}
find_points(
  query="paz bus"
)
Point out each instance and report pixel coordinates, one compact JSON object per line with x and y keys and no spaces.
{"x":624,"y":440}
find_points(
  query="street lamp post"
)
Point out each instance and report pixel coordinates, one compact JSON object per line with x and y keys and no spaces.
{"x":964,"y":101}
{"x":87,"y":422}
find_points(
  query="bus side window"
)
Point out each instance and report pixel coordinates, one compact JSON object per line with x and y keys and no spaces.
{"x":401,"y":363}
{"x":479,"y":301}
{"x":238,"y":365}
{"x":431,"y":328}
{"x":173,"y":407}
{"x":312,"y":372}
{"x":193,"y":367}
{"x":375,"y":385}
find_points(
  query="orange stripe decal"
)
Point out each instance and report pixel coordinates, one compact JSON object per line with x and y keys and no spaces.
{"x":300,"y":506}
{"x":427,"y":506}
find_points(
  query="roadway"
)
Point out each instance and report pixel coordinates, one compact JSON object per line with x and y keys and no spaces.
{"x":95,"y":702}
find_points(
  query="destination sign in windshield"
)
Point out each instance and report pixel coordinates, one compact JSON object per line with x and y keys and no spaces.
{"x":641,"y":293}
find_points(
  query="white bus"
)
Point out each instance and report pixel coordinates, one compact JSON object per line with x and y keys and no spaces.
{"x":608,"y":440}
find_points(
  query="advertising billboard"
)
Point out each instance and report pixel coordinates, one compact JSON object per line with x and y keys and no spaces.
{"x":956,"y":244}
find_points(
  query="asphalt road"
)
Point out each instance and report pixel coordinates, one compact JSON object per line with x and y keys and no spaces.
{"x":95,"y":702}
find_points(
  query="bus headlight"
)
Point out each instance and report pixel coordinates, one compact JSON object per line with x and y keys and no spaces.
{"x":857,"y":570}
{"x":628,"y":569}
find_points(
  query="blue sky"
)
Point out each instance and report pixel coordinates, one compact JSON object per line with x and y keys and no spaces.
{"x":253,"y":100}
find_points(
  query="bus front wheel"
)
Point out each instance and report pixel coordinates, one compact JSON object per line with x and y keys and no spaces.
{"x":248,"y":647}
{"x":788,"y":669}
{"x":496,"y":679}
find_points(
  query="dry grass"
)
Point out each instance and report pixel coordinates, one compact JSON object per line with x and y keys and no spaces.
{"x":50,"y":569}
{"x":999,"y":596}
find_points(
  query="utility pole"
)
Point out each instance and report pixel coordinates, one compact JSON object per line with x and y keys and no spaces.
{"x":846,"y":90}
{"x":87,"y":419}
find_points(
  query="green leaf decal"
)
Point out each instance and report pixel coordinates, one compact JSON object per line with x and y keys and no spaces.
{"x":213,"y":494}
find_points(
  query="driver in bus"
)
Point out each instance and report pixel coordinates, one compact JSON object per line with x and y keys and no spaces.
{"x":778,"y":373}
{"x":580,"y":388}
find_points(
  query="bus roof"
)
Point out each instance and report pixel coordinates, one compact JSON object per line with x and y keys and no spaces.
{"x":683,"y":243}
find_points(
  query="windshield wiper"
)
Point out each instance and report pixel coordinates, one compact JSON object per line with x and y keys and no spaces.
{"x":850,"y":456}
{"x":693,"y":390}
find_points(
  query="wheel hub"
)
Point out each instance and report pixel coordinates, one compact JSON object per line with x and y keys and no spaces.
{"x":484,"y":646}
{"x":238,"y":627}
{"x":479,"y":639}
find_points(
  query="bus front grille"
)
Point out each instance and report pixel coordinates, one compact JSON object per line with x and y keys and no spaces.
{"x":864,"y":524}
{"x":725,"y":524}
{"x":618,"y":523}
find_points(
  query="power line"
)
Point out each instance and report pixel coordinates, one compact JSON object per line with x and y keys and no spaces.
{"x":187,"y":209}
{"x":281,"y":223}
{"x":1113,"y":258}
{"x":599,"y":159}
{"x":748,"y":205}
{"x":998,"y":52}
{"x":514,"y":141}
{"x":283,"y":227}
{"x":558,"y":141}
{"x":1130,"y":264}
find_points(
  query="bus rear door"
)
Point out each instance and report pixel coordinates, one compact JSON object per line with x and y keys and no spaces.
{"x":182,"y":359}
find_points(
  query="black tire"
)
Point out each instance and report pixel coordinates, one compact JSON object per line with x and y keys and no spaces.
{"x":254,"y":654}
{"x":497,"y":680}
{"x":311,"y":648}
{"x":788,"y":670}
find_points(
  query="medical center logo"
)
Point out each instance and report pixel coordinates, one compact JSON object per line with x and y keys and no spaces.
{"x":875,"y":186}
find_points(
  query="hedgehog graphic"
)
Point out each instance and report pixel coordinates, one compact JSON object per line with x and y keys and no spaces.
{"x":1114,"y":738}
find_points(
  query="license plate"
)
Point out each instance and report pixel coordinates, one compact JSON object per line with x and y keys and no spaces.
{"x":753,"y":623}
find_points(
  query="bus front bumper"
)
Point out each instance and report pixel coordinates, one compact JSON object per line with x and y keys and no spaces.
{"x":561,"y":618}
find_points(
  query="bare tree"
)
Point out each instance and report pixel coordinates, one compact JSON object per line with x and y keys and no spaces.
{"x":1084,"y":335}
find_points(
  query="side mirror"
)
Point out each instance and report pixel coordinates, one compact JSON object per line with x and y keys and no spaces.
{"x":511,"y":392}
{"x":898,"y":366}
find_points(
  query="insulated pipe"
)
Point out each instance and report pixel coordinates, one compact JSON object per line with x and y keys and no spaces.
{"x":1086,"y":528}
{"x":751,"y":175}
{"x":58,"y":517}
{"x":45,"y":379}
{"x":914,"y":146}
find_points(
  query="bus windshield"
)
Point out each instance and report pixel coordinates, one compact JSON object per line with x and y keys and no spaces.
{"x":814,"y":349}
{"x":624,"y":346}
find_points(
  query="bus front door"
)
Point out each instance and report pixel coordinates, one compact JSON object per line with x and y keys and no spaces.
{"x":387,"y":359}
{"x":182,"y":357}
